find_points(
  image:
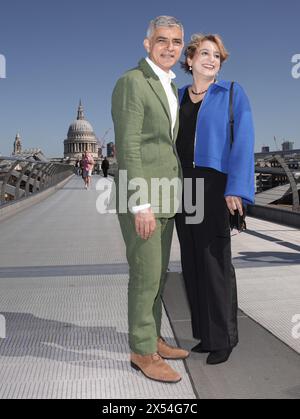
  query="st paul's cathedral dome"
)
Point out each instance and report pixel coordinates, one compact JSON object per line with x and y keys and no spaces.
{"x":81,"y":137}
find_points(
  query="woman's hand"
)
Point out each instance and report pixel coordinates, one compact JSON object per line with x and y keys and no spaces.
{"x":234,"y":203}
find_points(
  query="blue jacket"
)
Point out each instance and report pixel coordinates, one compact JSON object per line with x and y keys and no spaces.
{"x":212,"y":139}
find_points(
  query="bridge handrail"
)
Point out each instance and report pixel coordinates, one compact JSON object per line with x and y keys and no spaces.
{"x":22,"y":177}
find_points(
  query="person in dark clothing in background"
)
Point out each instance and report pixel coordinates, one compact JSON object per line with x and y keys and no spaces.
{"x":105,"y":166}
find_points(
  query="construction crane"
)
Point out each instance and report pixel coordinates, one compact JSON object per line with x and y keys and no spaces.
{"x":101,"y":142}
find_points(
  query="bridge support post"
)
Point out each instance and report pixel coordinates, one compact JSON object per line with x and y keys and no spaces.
{"x":296,"y":205}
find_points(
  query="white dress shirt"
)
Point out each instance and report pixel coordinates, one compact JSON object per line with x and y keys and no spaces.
{"x":165,"y":79}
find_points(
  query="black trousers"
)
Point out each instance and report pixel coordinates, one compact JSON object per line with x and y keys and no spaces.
{"x":207,"y":265}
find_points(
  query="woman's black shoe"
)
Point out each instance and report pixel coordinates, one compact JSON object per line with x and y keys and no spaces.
{"x":198,"y":348}
{"x":217,"y":357}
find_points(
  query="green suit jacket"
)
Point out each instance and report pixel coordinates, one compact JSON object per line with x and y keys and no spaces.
{"x":145,"y":144}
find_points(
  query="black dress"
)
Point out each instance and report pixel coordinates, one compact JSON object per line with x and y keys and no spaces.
{"x":206,"y":247}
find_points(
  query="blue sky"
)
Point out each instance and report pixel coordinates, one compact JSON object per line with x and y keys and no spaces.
{"x":59,"y":51}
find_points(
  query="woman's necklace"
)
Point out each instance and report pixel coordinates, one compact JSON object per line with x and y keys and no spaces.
{"x":198,"y":94}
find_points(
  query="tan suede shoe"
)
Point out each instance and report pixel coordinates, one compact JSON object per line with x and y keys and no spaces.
{"x":167,"y":351}
{"x":154,"y":367}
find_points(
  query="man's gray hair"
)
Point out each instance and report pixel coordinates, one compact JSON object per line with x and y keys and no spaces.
{"x":163,"y":21}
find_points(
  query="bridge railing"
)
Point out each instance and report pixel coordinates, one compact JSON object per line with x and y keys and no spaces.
{"x":21,"y":178}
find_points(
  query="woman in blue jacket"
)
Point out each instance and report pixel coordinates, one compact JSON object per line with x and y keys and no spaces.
{"x":205,"y":151}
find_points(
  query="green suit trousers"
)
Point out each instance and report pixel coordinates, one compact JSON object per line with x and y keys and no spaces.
{"x":148,"y":262}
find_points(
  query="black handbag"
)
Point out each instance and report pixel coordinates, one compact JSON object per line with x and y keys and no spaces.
{"x":236,"y":221}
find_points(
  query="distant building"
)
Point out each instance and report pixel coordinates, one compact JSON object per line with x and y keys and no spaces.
{"x":265,"y":149}
{"x":287,"y":146}
{"x":81,"y":138}
{"x":17,"y":145}
{"x":111,"y":150}
{"x":34,"y":153}
{"x":294,"y":153}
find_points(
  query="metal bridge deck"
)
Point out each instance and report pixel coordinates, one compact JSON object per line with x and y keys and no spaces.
{"x":63,"y":293}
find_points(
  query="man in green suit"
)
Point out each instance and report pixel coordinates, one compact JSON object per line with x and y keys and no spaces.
{"x":145,"y":115}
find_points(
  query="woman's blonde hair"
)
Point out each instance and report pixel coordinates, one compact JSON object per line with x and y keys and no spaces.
{"x":194,"y":44}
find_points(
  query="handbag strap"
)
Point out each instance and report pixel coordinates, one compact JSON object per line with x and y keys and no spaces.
{"x":231,"y":118}
{"x":231,"y":122}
